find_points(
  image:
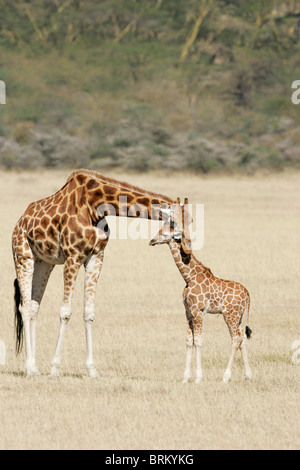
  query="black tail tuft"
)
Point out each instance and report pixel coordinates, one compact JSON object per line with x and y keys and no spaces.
{"x":248,"y":332}
{"x":18,"y":318}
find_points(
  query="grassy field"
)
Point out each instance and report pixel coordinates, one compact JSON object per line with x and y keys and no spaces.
{"x":252,"y":228}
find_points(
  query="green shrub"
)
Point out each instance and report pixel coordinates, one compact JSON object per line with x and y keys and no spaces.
{"x":103,"y":150}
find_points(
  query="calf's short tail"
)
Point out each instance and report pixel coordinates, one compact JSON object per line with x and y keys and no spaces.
{"x":248,"y":332}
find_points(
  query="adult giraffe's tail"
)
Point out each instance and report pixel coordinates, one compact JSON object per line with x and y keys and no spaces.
{"x":18,"y":318}
{"x":248,"y":331}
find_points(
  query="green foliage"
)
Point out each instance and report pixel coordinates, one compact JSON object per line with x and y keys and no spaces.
{"x":202,"y":85}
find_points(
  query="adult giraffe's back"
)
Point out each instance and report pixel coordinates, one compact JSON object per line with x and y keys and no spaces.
{"x":69,"y":228}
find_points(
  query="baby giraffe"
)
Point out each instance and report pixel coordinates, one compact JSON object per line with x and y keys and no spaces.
{"x":205,"y":293}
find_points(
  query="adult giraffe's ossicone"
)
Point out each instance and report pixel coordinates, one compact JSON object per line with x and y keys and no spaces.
{"x":69,"y":228}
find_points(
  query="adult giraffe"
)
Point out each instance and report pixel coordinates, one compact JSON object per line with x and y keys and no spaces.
{"x":69,"y":228}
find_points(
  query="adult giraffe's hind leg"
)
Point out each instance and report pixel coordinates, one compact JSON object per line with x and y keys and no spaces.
{"x":27,"y":311}
{"x":41,"y":273}
{"x":32,"y":277}
{"x":92,"y":271}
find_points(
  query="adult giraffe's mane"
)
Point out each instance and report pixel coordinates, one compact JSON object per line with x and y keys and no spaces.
{"x":119,"y":184}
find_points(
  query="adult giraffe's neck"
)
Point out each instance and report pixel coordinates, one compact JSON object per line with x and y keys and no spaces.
{"x":184,"y":262}
{"x":106,"y":196}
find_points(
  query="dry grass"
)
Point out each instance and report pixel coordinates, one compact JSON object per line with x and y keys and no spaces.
{"x":252,"y":231}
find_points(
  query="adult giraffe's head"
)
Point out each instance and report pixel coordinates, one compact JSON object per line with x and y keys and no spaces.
{"x":176,"y":227}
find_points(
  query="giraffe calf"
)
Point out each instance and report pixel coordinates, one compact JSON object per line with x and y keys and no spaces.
{"x":205,"y":293}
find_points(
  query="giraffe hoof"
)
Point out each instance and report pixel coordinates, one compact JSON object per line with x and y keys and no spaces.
{"x":54,"y":372}
{"x":33,"y":374}
{"x":53,"y":377}
{"x":93,"y":373}
{"x":226,"y":376}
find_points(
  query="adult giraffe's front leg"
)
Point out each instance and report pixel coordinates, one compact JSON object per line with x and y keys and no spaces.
{"x":71,"y":269}
{"x":92,"y":271}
